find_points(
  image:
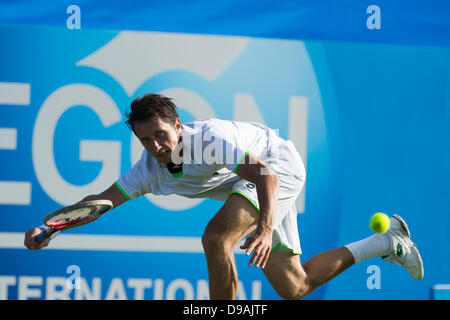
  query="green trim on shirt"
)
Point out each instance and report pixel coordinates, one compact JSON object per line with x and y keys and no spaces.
{"x":178,"y":174}
{"x":121,"y":190}
{"x":240,"y":160}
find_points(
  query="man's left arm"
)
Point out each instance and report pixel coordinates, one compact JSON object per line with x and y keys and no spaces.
{"x":267,"y":185}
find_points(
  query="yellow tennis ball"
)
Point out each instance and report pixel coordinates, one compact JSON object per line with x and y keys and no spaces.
{"x":380,"y":222}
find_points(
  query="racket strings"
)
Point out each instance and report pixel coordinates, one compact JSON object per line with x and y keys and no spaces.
{"x":72,"y":217}
{"x":66,"y":222}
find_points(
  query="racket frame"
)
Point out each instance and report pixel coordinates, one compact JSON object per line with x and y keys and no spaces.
{"x":98,"y":208}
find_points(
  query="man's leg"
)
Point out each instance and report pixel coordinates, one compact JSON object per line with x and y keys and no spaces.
{"x":291,"y":280}
{"x":236,"y":219}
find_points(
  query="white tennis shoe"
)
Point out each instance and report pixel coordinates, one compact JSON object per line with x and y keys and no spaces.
{"x":403,"y":251}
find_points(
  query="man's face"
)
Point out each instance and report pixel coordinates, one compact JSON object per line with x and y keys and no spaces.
{"x":158,"y":137}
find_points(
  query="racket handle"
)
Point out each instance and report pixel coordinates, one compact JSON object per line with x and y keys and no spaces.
{"x":40,"y":237}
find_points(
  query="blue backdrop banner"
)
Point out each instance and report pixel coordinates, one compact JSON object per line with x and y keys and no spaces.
{"x":370,"y":121}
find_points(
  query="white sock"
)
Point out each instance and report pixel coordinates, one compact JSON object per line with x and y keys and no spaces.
{"x":374,"y":246}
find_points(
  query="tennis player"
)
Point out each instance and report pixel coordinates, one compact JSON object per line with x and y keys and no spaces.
{"x":258,"y":175}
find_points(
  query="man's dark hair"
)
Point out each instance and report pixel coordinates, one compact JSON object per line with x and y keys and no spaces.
{"x":151,"y":106}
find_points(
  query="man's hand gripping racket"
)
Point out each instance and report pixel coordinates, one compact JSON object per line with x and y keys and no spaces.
{"x":63,"y":219}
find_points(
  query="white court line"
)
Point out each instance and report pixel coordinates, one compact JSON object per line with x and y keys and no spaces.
{"x":96,"y":242}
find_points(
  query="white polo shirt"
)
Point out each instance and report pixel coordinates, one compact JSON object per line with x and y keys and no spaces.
{"x":212,"y":151}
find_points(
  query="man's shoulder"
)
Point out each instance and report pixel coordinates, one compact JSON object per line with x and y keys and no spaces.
{"x":214,"y":125}
{"x":208,"y":123}
{"x":224,"y":129}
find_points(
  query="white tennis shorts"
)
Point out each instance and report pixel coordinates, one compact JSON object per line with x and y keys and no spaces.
{"x":289,"y":167}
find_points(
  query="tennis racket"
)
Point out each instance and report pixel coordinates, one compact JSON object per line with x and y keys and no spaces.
{"x":67,"y":217}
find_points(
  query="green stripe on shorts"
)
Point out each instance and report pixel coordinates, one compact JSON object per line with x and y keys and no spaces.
{"x":246,"y":197}
{"x":279,"y":245}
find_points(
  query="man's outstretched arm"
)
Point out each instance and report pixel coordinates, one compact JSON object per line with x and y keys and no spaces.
{"x":112,"y":193}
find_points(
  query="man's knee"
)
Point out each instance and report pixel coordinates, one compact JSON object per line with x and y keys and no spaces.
{"x":287,"y":276}
{"x":215,"y":240}
{"x":294,"y":291}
